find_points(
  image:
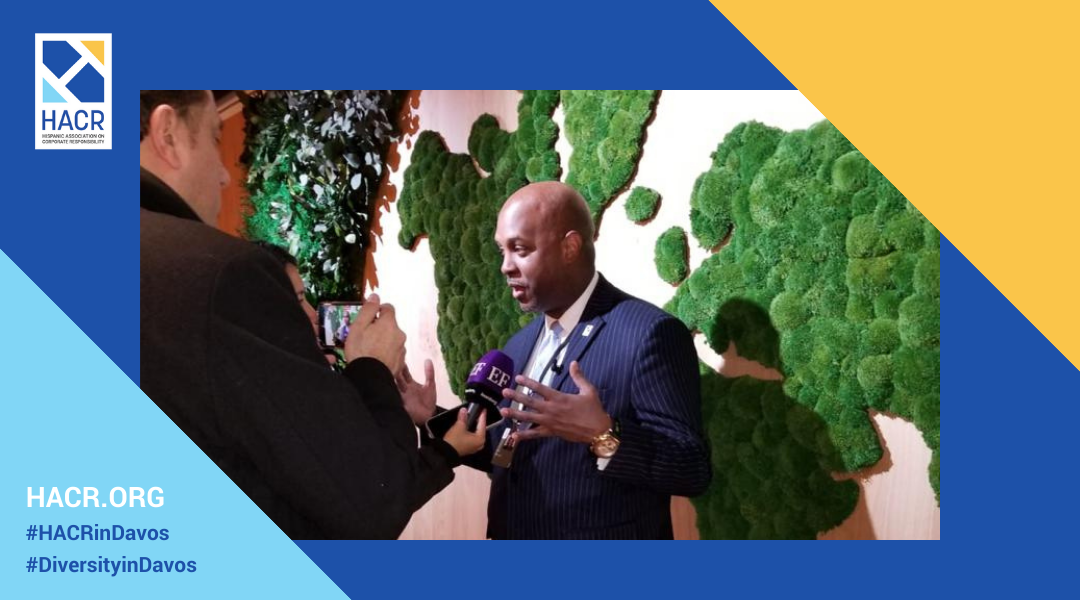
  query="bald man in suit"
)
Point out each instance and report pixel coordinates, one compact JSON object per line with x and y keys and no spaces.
{"x":605,"y":424}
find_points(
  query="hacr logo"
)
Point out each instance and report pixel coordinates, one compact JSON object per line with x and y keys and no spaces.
{"x":73,"y":87}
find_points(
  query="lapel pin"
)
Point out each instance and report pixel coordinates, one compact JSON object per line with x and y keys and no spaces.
{"x":588,"y":330}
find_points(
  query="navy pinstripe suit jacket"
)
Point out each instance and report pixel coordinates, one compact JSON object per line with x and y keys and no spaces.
{"x":643,"y":362}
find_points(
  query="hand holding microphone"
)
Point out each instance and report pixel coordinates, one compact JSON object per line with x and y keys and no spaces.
{"x":483,"y":392}
{"x":464,"y":441}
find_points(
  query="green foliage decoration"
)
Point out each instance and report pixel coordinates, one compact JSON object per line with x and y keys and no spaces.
{"x":445,"y":198}
{"x":314,"y":161}
{"x":772,"y":460}
{"x":642,"y":204}
{"x":830,"y":276}
{"x":671,"y":255}
{"x":605,"y":128}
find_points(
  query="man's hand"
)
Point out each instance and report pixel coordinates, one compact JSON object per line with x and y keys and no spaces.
{"x":461,"y":439}
{"x":573,"y":417}
{"x":374,"y":332}
{"x":419,"y":399}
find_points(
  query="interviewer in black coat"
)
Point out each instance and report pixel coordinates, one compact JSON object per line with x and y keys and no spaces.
{"x":228,"y":355}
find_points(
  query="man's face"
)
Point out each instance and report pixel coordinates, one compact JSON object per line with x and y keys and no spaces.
{"x":532,"y":257}
{"x":202,"y":173}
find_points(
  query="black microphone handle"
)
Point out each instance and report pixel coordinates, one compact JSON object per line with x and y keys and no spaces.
{"x":475,"y":410}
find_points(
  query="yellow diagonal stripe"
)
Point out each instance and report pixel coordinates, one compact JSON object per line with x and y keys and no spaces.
{"x":97,"y":48}
{"x":966,"y":109}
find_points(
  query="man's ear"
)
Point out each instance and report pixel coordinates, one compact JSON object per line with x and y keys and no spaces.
{"x":571,"y":247}
{"x":166,"y":133}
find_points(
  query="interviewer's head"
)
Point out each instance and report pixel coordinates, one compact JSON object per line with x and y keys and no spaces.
{"x":292,"y":271}
{"x":545,"y":234}
{"x":179,"y":133}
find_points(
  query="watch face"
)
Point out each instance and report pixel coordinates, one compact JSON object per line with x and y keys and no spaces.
{"x":606,"y":448}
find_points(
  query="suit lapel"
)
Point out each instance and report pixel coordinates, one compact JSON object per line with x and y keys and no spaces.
{"x":582,"y":337}
{"x":588,"y":329}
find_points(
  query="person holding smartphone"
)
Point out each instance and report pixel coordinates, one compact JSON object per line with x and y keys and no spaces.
{"x":419,"y":400}
{"x":228,"y":354}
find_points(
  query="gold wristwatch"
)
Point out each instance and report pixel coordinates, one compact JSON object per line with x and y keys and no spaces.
{"x":606,"y":444}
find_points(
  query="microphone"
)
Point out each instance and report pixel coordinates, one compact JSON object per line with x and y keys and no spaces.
{"x":483,"y":393}
{"x":483,"y":389}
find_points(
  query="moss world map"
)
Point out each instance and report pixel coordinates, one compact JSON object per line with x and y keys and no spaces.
{"x":820,"y":269}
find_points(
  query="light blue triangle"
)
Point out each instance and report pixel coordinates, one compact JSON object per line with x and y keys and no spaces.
{"x":72,"y":418}
{"x":49,"y":93}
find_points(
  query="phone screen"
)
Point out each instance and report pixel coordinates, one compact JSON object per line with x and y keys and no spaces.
{"x":334,"y":319}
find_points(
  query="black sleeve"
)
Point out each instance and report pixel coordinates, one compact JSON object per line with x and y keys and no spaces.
{"x":337,"y":452}
{"x":373,"y":380}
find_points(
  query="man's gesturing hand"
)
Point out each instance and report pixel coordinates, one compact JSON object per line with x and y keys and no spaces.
{"x":419,"y":399}
{"x":573,"y":417}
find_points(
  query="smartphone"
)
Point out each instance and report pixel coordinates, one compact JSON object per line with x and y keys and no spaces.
{"x":438,"y":425}
{"x":334,"y":319}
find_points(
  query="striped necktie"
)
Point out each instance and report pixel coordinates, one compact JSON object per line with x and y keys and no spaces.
{"x":539,"y":371}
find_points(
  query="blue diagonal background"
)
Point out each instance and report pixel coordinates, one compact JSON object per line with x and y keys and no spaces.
{"x":69,"y":221}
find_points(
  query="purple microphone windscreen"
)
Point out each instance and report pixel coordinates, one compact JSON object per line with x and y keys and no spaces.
{"x":492,"y":373}
{"x":483,"y":389}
